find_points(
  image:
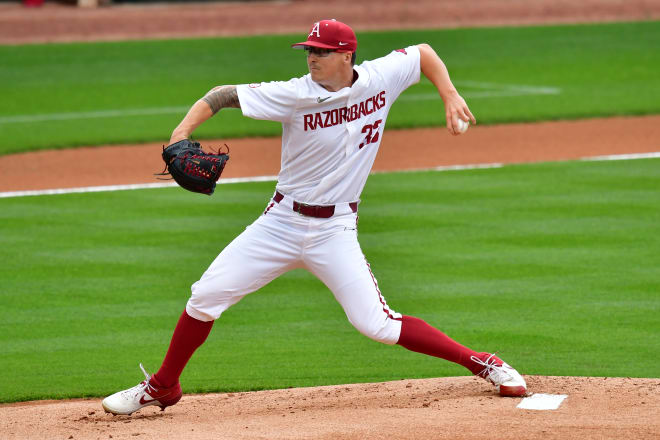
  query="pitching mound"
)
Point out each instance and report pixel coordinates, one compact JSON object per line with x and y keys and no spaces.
{"x":455,"y":408}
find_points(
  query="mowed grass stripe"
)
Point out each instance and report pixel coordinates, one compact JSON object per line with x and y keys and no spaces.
{"x":484,"y":90}
{"x":554,"y":265}
{"x":576,"y":71}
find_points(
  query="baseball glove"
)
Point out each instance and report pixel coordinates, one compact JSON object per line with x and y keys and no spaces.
{"x":191,"y":167}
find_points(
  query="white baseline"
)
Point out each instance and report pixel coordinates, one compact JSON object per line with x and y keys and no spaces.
{"x":86,"y":189}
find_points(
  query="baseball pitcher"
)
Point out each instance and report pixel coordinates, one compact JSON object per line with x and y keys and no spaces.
{"x":333,"y":120}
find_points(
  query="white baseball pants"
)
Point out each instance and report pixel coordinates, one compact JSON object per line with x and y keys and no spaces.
{"x":281,"y":240}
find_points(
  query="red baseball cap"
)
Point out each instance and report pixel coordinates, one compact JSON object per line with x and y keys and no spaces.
{"x":330,"y":34}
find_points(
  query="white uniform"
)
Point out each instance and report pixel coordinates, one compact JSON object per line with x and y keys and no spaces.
{"x":329,"y":143}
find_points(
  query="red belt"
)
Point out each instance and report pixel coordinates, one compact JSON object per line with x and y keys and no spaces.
{"x":318,"y":211}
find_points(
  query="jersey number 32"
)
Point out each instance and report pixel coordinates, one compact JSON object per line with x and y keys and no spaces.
{"x":369,"y":129}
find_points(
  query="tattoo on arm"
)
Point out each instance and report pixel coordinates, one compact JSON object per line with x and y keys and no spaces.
{"x":222,"y":97}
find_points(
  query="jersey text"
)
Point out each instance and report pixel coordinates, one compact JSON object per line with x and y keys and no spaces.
{"x":340,"y":115}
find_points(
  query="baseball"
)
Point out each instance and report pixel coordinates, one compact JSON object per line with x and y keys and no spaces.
{"x":462,"y":126}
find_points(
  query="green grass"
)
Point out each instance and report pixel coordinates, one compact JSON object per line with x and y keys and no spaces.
{"x":598,"y":70}
{"x":556,"y":265}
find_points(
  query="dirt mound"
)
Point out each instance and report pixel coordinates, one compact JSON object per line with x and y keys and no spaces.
{"x":451,"y":408}
{"x":400,"y":150}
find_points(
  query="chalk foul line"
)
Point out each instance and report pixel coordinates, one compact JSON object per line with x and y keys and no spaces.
{"x":624,"y":156}
{"x":86,"y":189}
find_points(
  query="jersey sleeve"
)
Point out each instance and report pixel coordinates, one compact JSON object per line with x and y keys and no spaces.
{"x":400,"y":68}
{"x":273,"y":101}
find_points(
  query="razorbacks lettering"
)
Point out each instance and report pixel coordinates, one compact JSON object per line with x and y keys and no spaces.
{"x":340,"y":115}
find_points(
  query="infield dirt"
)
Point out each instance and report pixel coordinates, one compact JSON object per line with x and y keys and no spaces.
{"x":400,"y":150}
{"x":456,"y":408}
{"x":444,"y":408}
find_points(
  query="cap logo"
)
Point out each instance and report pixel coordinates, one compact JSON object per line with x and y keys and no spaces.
{"x":315,"y":30}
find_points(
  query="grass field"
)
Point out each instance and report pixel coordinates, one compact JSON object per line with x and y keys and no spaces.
{"x":62,"y":95}
{"x":556,"y":265}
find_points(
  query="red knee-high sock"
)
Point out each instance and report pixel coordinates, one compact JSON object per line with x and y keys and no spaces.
{"x":188,"y":335}
{"x":418,"y":336}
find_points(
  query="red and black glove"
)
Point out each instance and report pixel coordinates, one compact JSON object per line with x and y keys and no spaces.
{"x":192,"y":168}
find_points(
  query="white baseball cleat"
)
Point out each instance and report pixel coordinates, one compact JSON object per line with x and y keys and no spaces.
{"x":143,"y":394}
{"x":508,"y":381}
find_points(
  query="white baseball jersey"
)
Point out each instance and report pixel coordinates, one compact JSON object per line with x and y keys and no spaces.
{"x":329,"y":143}
{"x":330,"y":139}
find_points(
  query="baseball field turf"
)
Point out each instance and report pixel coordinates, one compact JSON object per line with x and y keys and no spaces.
{"x":555,"y":265}
{"x":59,"y":95}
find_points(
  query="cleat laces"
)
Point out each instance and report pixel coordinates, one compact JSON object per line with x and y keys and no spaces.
{"x":143,"y":386}
{"x":495,"y":373}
